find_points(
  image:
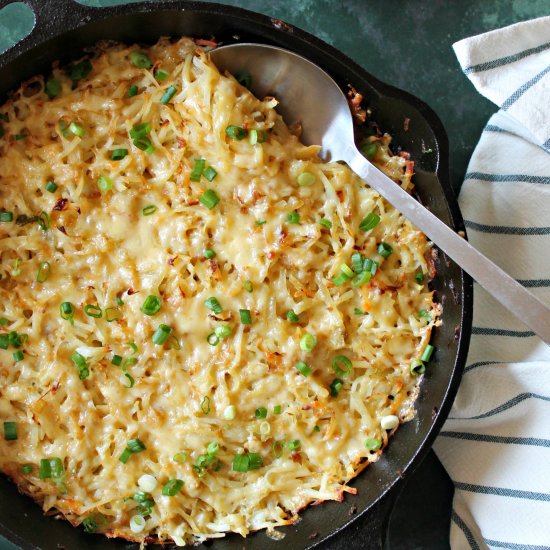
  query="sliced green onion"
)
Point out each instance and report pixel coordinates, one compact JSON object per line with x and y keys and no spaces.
{"x":144,"y":144}
{"x":119,"y":154}
{"x":423,"y":313}
{"x":209,"y":198}
{"x":119,"y":301}
{"x":306,"y":179}
{"x":257,"y":136}
{"x":10,"y":431}
{"x":210,"y":173}
{"x":44,"y":469}
{"x":384,"y":249}
{"x":213,"y":339}
{"x":18,"y":356}
{"x":17,"y":340}
{"x":222,"y":331}
{"x":370,"y":265}
{"x":43,"y":221}
{"x":126,"y":454}
{"x":3,"y":321}
{"x":213,"y":305}
{"x":209,"y":254}
{"x":346,"y":270}
{"x":67,"y":310}
{"x":308,"y":342}
{"x":161,"y":334}
{"x":149,"y":209}
{"x":373,"y":443}
{"x":427,"y":353}
{"x":370,"y":149}
{"x":316,"y":429}
{"x":294,"y":444}
{"x":23,"y":135}
{"x":357,"y":262}
{"x":133,"y":346}
{"x":293,"y":217}
{"x":135,"y":445}
{"x":246,"y":462}
{"x":172,"y":488}
{"x":43,"y":272}
{"x":77,"y":129}
{"x":93,"y":522}
{"x":105,"y":183}
{"x":341,"y":365}
{"x":4,"y":341}
{"x":335,"y":386}
{"x":277,"y":409}
{"x":56,"y":467}
{"x":80,"y":362}
{"x":419,"y":276}
{"x":27,"y":469}
{"x":417,"y":367}
{"x":51,"y":187}
{"x":205,"y":405}
{"x":340,"y":279}
{"x":358,"y":311}
{"x":180,"y":458}
{"x":292,"y":317}
{"x":244,"y":78}
{"x":303,"y":368}
{"x":140,"y":130}
{"x":78,"y":71}
{"x":116,"y":360}
{"x":6,"y":216}
{"x":53,"y":87}
{"x":236,"y":132}
{"x":112,"y":314}
{"x":140,"y":60}
{"x":361,"y":279}
{"x":261,"y":412}
{"x":198,"y":169}
{"x":246,"y":318}
{"x":152,"y":305}
{"x":248,"y":286}
{"x":278,"y":448}
{"x":93,"y":310}
{"x":168,"y":95}
{"x":132,"y":91}
{"x":64,"y":128}
{"x":260,"y":222}
{"x":327,"y":224}
{"x":370,"y":222}
{"x":161,"y":75}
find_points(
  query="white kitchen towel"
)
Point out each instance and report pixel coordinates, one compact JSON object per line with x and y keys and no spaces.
{"x":495,"y":444}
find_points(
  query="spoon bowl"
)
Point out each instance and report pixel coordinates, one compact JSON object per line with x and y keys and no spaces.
{"x":308,"y":95}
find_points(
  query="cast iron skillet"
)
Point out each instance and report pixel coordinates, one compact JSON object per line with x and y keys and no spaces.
{"x":62,"y":30}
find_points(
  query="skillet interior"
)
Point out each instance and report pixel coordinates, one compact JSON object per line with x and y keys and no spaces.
{"x":20,"y":519}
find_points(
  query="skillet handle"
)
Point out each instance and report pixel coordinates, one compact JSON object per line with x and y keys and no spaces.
{"x":50,"y":19}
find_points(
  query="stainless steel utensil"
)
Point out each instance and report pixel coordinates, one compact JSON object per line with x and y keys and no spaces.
{"x":309,"y":95}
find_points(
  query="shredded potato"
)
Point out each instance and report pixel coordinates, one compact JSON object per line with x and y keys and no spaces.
{"x":202,"y":392}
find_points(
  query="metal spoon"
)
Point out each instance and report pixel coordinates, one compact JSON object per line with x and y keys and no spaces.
{"x":327,"y":121}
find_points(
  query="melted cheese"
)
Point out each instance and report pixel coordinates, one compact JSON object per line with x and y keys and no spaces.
{"x":100,"y":246}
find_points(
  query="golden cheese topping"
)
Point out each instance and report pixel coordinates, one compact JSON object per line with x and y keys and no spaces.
{"x":203,"y":328}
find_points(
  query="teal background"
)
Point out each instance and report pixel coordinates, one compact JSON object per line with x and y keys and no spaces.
{"x":406,"y":43}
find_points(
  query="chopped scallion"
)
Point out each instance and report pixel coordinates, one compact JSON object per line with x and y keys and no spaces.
{"x":112,"y":314}
{"x":361,"y":279}
{"x":213,"y":305}
{"x":417,"y":367}
{"x":335,"y":386}
{"x":341,"y":365}
{"x":327,"y":224}
{"x":210,"y":173}
{"x":152,"y":305}
{"x":10,"y":431}
{"x":205,"y":405}
{"x":119,"y":154}
{"x":248,"y":286}
{"x":427,"y":353}
{"x":77,"y":129}
{"x":140,"y":60}
{"x":223,"y":331}
{"x":306,"y":179}
{"x":291,"y":316}
{"x":370,"y":150}
{"x":53,"y":87}
{"x":93,"y":310}
{"x":373,"y":443}
{"x":293,"y":217}
{"x":105,"y":183}
{"x":277,"y":409}
{"x":43,"y":272}
{"x":132,"y":91}
{"x":209,"y":254}
{"x":198,"y":168}
{"x":18,"y":356}
{"x":294,"y":444}
{"x":80,"y":362}
{"x":384,"y":249}
{"x":6,"y":216}
{"x":116,"y":360}
{"x":236,"y":132}
{"x":168,"y":95}
{"x":161,"y":334}
{"x":172,"y":488}
{"x":308,"y":342}
{"x":209,"y":198}
{"x":246,"y":317}
{"x":302,"y":368}
{"x":261,"y":412}
{"x":51,"y":187}
{"x":161,"y":75}
{"x":370,"y":222}
{"x":44,"y":469}
{"x":140,"y":130}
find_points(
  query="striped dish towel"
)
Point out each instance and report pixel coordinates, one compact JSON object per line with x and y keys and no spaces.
{"x":495,"y":444}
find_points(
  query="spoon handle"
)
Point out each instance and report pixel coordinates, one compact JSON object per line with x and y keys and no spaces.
{"x":494,"y":280}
